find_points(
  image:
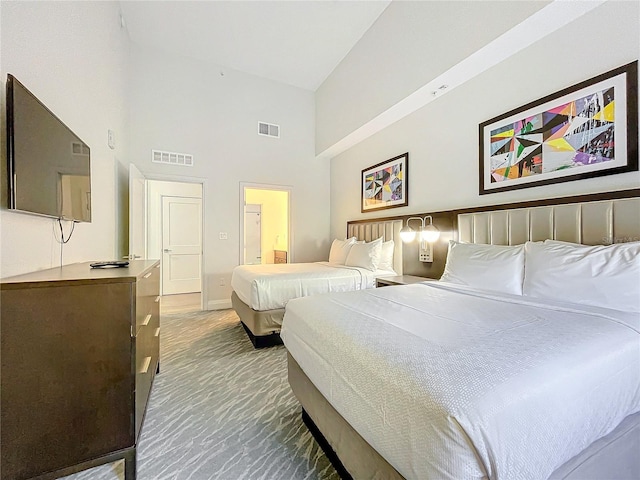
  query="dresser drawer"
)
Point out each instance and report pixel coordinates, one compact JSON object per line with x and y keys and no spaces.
{"x":147,"y":298}
{"x":147,"y":344}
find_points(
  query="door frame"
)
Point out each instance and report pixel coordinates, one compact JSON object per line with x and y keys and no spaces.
{"x":132,"y":171}
{"x":203,"y":182}
{"x":265,"y":186}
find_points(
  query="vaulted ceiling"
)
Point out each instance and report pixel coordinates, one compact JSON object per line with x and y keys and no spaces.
{"x":294,"y":42}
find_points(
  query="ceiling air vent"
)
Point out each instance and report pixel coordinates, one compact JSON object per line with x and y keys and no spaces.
{"x":268,"y":129}
{"x":172,"y":158}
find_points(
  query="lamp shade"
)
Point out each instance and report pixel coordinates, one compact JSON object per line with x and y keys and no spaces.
{"x":428,"y":234}
{"x":407,"y":234}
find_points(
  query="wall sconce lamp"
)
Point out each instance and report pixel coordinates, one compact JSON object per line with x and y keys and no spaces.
{"x":428,"y":234}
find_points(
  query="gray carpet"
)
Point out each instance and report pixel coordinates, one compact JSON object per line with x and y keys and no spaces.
{"x":220,"y":410}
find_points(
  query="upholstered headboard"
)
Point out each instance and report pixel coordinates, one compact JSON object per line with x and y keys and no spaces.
{"x":388,"y":230}
{"x":590,"y":223}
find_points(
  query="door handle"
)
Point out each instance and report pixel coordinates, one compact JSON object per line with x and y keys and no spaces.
{"x":167,"y":250}
{"x":132,"y":256}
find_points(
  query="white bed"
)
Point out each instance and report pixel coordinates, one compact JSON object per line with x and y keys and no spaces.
{"x":269,"y":287}
{"x":446,"y":381}
{"x":261,"y":292}
{"x":426,"y":376}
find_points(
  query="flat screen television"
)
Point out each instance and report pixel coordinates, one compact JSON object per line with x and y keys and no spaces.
{"x":48,"y":165}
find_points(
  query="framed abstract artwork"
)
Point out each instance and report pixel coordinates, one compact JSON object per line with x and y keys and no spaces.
{"x":583,"y":131}
{"x":385,"y":185}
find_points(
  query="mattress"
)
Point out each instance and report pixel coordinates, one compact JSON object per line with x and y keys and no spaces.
{"x":269,"y":287}
{"x":449,"y":382}
{"x":614,"y":456}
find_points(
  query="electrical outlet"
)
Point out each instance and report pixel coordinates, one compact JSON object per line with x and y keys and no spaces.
{"x":223,"y":236}
{"x":426,"y":254}
{"x":222,"y":282}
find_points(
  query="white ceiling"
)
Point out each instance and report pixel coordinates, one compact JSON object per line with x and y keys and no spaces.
{"x":295,"y":42}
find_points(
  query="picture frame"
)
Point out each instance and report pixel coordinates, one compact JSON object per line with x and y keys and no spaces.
{"x":584,"y":131}
{"x":386,"y":184}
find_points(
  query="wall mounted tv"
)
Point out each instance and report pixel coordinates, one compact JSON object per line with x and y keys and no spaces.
{"x":48,"y":165}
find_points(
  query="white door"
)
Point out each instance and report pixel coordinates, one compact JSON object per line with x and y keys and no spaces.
{"x":252,"y":234}
{"x":181,"y":245}
{"x":137,"y":210}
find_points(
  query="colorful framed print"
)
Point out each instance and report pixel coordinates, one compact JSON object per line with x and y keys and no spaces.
{"x":385,"y":185}
{"x":584,"y":131}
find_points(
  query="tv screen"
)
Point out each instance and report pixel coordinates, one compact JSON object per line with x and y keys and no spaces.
{"x":48,"y":165}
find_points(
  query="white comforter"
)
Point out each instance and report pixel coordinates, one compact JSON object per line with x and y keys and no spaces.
{"x":267,"y":287}
{"x":451,"y":383}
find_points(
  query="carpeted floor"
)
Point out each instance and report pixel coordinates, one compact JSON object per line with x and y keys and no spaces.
{"x":220,"y":410}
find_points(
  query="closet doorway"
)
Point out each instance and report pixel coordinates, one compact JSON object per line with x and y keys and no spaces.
{"x":265,"y":226}
{"x":174,"y":234}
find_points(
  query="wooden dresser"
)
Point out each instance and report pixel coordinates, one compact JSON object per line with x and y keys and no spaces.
{"x":79,"y":352}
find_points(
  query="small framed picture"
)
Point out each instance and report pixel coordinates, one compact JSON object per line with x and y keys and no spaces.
{"x":385,"y":185}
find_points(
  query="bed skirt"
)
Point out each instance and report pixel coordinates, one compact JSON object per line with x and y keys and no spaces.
{"x":613,"y":456}
{"x":263,"y":328}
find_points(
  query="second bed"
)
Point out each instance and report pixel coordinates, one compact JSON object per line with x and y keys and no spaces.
{"x":260,"y":292}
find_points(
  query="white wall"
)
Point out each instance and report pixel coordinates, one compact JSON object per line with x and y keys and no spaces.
{"x":410,"y":44}
{"x":72,"y":56}
{"x":182,"y":105}
{"x":442,"y":137}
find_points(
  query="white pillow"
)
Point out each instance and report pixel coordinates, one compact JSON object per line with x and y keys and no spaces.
{"x":604,"y":275}
{"x":365,"y":255}
{"x":340,"y":249}
{"x":386,"y":256}
{"x":488,"y":267}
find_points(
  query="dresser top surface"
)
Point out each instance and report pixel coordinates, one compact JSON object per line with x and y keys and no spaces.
{"x":80,"y":273}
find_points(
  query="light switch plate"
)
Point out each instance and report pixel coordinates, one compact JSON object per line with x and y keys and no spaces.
{"x":111,"y":139}
{"x":223,"y":236}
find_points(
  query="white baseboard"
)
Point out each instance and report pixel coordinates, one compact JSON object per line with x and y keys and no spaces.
{"x":218,"y":304}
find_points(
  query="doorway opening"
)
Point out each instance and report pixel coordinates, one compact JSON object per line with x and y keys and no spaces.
{"x":174,"y":234}
{"x":265,"y":225}
{"x":167,"y":213}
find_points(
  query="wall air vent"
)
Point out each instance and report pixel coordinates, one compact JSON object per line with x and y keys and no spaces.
{"x":172,"y":158}
{"x":268,"y":130}
{"x":79,"y":148}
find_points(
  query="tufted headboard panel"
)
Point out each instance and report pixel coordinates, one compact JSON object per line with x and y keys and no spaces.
{"x":388,"y":230}
{"x":590,"y":223}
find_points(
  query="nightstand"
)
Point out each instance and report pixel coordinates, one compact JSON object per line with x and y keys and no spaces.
{"x":279,"y":256}
{"x":399,"y":280}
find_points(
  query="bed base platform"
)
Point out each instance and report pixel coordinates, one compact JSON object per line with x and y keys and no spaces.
{"x":325,"y":446}
{"x":262,"y":341}
{"x":350,"y":454}
{"x":263,"y":328}
{"x":613,"y":456}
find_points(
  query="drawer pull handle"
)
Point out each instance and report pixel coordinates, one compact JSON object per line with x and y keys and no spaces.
{"x":157,"y":334}
{"x":157,"y":298}
{"x":148,"y":275}
{"x":145,"y":365}
{"x":146,"y":320}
